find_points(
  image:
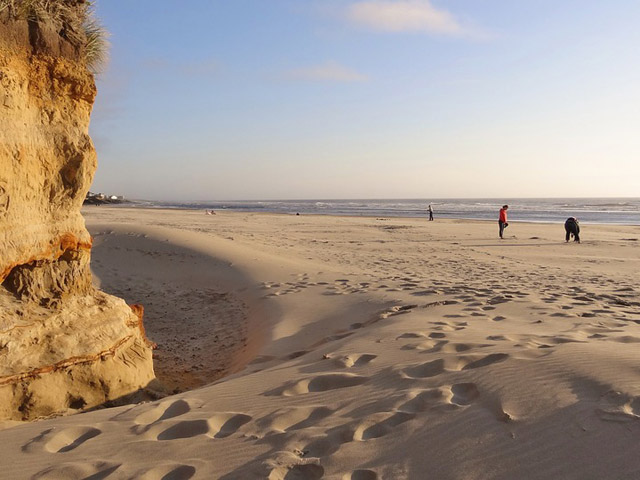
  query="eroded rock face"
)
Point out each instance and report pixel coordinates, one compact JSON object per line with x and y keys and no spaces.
{"x":63,"y":344}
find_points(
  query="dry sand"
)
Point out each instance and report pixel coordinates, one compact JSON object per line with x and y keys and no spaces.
{"x":361,"y":348}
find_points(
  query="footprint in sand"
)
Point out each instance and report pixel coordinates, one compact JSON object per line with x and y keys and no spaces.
{"x":428,"y":346}
{"x":309,"y":471}
{"x":35,"y":444}
{"x":96,"y":470}
{"x":424,"y":293}
{"x":437,"y":335}
{"x":412,"y":335}
{"x":292,"y":419}
{"x":440,"y":365}
{"x":321,"y":383}
{"x":334,"y":381}
{"x":498,"y":338}
{"x":558,"y":340}
{"x":485,"y":361}
{"x":626,"y":339}
{"x":464,"y":393}
{"x":163,"y":411}
{"x":61,"y":441}
{"x":183,"y":429}
{"x":225,"y":424}
{"x":441,"y":398}
{"x":423,"y":400}
{"x":329,"y":443}
{"x":426,"y":370}
{"x":355,"y":360}
{"x":322,"y":447}
{"x":380,"y":424}
{"x":220,"y":425}
{"x":70,"y":439}
{"x":167,"y":472}
{"x":443,"y":327}
{"x":361,"y":475}
{"x":465,"y":347}
{"x":498,"y":299}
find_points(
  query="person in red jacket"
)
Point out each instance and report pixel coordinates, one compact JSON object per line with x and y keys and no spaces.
{"x":502,"y":219}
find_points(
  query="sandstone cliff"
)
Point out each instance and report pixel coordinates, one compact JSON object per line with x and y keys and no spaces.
{"x":63,"y":344}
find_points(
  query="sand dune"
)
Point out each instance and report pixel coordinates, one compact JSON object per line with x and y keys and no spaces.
{"x":361,"y":348}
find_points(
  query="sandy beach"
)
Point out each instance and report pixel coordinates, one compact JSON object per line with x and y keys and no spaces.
{"x":308,"y":347}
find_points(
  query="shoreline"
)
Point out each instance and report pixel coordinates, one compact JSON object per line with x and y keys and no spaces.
{"x":378,"y":217}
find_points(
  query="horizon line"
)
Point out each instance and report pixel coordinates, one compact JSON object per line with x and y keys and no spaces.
{"x":378,"y":198}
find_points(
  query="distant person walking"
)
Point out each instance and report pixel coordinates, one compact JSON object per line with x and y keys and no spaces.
{"x":430,"y":213}
{"x":572,"y":227}
{"x":502,"y":219}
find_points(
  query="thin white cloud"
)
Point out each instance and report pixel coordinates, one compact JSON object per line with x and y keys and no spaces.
{"x":326,"y":72}
{"x":404,"y":16}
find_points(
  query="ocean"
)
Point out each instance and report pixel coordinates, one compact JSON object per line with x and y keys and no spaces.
{"x":621,"y":211}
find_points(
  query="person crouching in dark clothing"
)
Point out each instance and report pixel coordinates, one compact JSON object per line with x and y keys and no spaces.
{"x":572,"y":227}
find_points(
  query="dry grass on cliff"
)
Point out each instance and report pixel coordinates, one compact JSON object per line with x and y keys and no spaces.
{"x":65,"y":14}
{"x":96,"y":48}
{"x":77,"y":23}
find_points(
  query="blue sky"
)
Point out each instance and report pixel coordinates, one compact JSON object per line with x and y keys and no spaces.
{"x":290,"y":99}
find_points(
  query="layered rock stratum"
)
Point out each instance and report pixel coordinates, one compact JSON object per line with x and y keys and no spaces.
{"x":63,"y":343}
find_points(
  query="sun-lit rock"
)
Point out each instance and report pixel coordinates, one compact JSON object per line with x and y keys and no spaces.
{"x":63,"y":344}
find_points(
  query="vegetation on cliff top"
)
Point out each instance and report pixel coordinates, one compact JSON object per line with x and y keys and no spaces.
{"x":74,"y":20}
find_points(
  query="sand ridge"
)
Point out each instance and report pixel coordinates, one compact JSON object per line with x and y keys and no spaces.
{"x":426,"y":350}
